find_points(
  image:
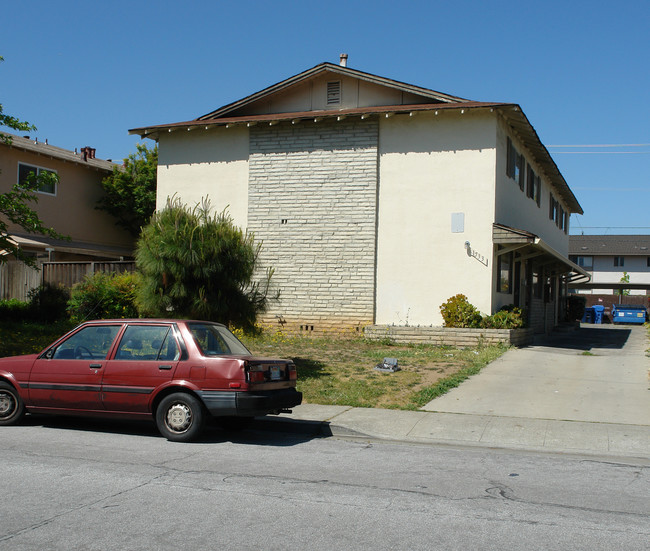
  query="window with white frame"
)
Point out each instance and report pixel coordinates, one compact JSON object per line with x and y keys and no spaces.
{"x":533,"y":185}
{"x":48,"y":187}
{"x":515,"y":165}
{"x":504,"y":273}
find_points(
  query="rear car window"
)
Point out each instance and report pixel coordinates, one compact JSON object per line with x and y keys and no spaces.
{"x":215,"y":340}
{"x":148,"y":342}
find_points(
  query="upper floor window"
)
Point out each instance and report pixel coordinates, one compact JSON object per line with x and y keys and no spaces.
{"x":557,"y":213}
{"x":619,"y":261}
{"x":533,"y":185}
{"x":47,"y":185}
{"x":648,"y":261}
{"x":515,"y":165}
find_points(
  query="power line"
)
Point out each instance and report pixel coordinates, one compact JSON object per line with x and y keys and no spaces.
{"x":606,"y":145}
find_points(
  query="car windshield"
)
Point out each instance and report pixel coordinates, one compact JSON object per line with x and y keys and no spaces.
{"x":215,"y":340}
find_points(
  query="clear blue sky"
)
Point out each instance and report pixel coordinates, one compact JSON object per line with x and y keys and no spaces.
{"x":85,"y":72}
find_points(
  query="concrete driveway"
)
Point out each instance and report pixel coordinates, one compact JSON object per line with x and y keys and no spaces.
{"x":598,"y":373}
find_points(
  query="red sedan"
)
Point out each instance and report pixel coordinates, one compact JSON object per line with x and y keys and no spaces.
{"x":177,"y":372}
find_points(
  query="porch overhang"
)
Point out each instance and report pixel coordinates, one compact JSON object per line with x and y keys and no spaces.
{"x":530,"y":246}
{"x":43,"y":244}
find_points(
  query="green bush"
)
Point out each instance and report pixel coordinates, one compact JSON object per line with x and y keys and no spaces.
{"x":15,"y":310}
{"x":104,"y":296}
{"x":48,"y":303}
{"x":509,"y":317}
{"x":458,"y":312}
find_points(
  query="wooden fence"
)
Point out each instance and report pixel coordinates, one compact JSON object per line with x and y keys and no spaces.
{"x":16,"y":279}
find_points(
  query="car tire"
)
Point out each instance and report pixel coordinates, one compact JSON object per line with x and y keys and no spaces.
{"x":180,"y":417}
{"x":12,"y":408}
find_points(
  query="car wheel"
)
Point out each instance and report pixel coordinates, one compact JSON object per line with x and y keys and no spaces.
{"x":180,"y":417}
{"x":233,"y":424}
{"x":12,"y":408}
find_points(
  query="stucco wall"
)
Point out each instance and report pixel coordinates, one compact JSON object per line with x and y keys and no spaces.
{"x":431,"y":167}
{"x":213,"y":164}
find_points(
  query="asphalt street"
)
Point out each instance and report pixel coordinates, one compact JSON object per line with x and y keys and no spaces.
{"x":82,"y":485}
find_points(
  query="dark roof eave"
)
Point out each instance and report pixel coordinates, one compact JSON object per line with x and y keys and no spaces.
{"x":147,"y":131}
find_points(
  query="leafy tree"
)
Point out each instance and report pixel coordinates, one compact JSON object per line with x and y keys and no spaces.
{"x":622,"y":291}
{"x":14,"y":204}
{"x":131,"y":190}
{"x":197,"y":265}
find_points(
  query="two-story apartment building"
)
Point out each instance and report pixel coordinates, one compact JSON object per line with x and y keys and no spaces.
{"x":615,"y":263}
{"x":377,"y":200}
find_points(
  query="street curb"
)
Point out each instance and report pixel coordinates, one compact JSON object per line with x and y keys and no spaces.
{"x":324,"y":429}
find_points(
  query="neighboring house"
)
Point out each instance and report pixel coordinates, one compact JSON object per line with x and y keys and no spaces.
{"x":376,"y":200}
{"x":609,"y":259}
{"x":69,"y":207}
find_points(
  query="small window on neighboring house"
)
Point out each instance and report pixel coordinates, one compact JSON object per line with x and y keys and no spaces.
{"x":24,"y":170}
{"x":619,"y":261}
{"x":504,"y":273}
{"x":551,"y":206}
{"x":586,"y":262}
{"x":648,"y":261}
{"x":334,"y":92}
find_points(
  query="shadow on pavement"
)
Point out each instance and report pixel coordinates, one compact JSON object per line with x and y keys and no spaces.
{"x":262,"y":432}
{"x":586,"y":338}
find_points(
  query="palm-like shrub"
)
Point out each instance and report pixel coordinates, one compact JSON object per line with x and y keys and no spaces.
{"x":198,"y":265}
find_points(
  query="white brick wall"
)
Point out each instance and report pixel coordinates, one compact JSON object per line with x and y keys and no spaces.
{"x":313,"y":204}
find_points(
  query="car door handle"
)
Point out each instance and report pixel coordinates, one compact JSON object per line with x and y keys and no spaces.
{"x":95,"y":366}
{"x":167,"y":367}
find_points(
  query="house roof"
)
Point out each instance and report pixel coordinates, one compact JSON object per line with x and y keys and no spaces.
{"x":43,"y":148}
{"x":431,"y":100}
{"x":326,"y":67}
{"x":609,"y":245}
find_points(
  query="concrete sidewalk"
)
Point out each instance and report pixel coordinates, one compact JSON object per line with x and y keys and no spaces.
{"x":549,"y":397}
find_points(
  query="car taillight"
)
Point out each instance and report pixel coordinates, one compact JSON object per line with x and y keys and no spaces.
{"x":255,"y":373}
{"x":256,"y":377}
{"x":293,"y":374}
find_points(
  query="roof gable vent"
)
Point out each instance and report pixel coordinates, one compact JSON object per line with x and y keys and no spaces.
{"x":334,"y":92}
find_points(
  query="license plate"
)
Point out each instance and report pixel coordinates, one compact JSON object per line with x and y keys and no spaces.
{"x":275,"y":372}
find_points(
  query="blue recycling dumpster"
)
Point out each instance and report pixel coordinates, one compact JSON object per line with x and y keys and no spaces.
{"x":598,"y":313}
{"x":628,"y":313}
{"x":588,"y":316}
